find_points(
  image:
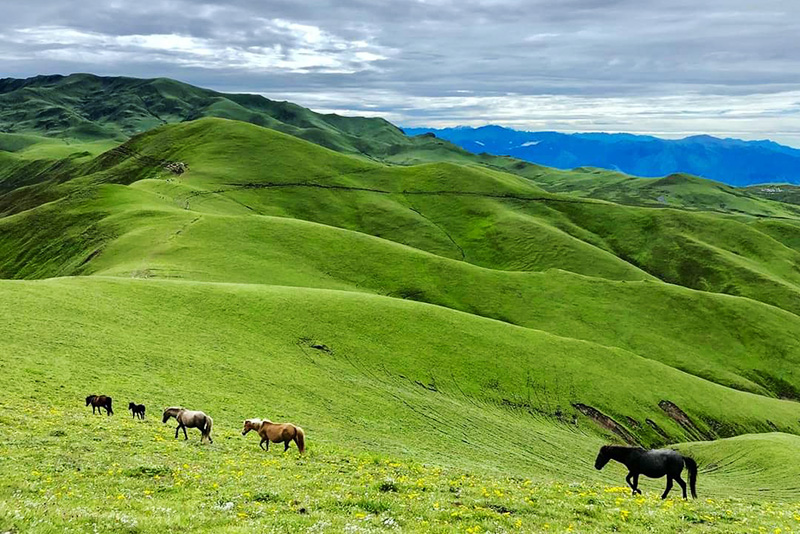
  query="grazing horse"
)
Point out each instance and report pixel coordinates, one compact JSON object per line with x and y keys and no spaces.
{"x":652,"y":464}
{"x":192,"y":419}
{"x":100,"y":401}
{"x":277,"y":433}
{"x":136,"y":409}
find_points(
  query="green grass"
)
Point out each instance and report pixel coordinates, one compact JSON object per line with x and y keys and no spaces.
{"x":235,"y":487}
{"x":367,"y":419}
{"x":467,"y":313}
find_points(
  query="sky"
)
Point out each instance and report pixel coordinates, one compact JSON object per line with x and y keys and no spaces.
{"x":673,"y":68}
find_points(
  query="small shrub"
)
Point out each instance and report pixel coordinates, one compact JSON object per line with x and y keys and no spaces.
{"x":264,"y":497}
{"x":144,"y":471}
{"x":373,"y":506}
{"x":388,"y":486}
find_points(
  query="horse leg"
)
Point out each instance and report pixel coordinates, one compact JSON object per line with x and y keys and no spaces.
{"x":286,"y":445}
{"x":629,"y":480}
{"x":185,"y":435}
{"x":682,"y":484}
{"x":669,"y":487}
{"x":636,"y":484}
{"x":262,"y":444}
{"x":177,"y":429}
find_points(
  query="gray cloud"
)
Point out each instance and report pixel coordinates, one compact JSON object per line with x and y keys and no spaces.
{"x":673,"y":67}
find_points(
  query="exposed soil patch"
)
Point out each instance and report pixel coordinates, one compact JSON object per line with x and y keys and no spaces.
{"x":684,"y":420}
{"x":606,"y":422}
{"x":658,"y":429}
{"x":176,"y":167}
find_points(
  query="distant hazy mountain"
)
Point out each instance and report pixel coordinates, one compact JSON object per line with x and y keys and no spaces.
{"x":731,"y":161}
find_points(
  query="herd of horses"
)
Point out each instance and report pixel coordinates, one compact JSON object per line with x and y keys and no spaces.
{"x":285,"y":433}
{"x":650,"y":463}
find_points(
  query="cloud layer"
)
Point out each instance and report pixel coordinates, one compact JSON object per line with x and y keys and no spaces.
{"x":727,"y":67}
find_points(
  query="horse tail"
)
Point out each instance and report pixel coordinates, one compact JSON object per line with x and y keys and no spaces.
{"x":691,"y":465}
{"x":110,"y":409}
{"x":207,"y":431}
{"x":300,"y":439}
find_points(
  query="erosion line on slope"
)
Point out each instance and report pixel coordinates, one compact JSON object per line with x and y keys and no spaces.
{"x":445,"y":232}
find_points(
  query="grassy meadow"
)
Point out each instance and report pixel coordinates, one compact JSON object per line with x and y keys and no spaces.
{"x":438,"y":329}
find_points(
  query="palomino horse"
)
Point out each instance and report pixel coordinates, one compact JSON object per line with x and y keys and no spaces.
{"x":100,"y":401}
{"x":191,"y":419}
{"x":277,"y":433}
{"x":652,"y":464}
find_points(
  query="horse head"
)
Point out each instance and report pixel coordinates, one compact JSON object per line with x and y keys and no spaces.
{"x":602,"y":457}
{"x":170,"y":412}
{"x":89,"y":399}
{"x":250,"y":424}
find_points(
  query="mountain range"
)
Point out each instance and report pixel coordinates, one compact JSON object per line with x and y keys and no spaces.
{"x":730,"y":161}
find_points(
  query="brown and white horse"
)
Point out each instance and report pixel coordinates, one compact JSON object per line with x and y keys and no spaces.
{"x":192,"y":419}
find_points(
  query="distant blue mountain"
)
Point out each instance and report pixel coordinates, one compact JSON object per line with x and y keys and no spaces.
{"x":731,"y":161}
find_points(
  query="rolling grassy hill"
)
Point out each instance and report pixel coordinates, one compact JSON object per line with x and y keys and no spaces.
{"x":85,"y":107}
{"x":444,"y":322}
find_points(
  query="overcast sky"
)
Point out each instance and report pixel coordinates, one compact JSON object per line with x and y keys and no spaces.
{"x":666,"y":67}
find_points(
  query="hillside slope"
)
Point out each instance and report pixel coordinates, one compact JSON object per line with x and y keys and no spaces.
{"x":413,"y":386}
{"x":260,"y":207}
{"x":444,"y":326}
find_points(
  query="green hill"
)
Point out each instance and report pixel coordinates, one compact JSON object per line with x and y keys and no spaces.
{"x":450,"y":318}
{"x":86,"y":107}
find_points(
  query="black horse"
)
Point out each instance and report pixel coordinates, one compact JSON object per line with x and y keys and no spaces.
{"x":652,"y":464}
{"x":100,"y":401}
{"x":136,"y":409}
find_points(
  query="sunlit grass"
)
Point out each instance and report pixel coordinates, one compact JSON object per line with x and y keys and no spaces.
{"x":75,"y":472}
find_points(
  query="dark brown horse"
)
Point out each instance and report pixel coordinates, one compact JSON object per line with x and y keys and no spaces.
{"x":652,"y":464}
{"x":136,"y":409}
{"x":100,"y":401}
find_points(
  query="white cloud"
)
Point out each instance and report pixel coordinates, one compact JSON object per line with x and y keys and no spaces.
{"x":671,"y":67}
{"x":313,"y":50}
